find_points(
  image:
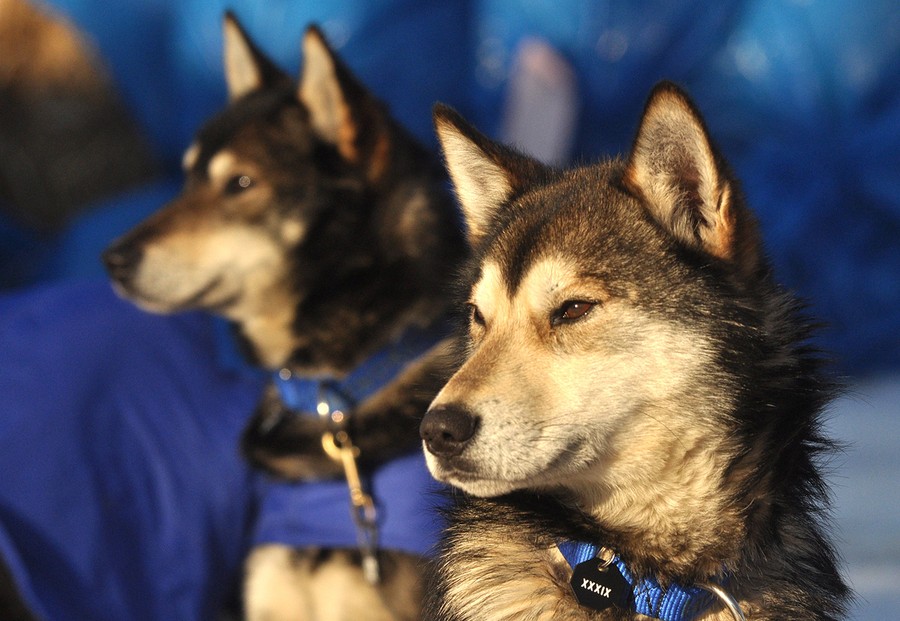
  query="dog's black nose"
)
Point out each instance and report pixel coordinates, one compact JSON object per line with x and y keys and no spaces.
{"x":121,"y":260}
{"x":446,"y":429}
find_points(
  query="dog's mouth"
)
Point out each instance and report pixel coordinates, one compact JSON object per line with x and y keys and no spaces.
{"x":479,"y":480}
{"x":479,"y":485}
{"x":458,"y":468}
{"x":201,"y":298}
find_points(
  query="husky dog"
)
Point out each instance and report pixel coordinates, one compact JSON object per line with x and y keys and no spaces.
{"x":315,"y":224}
{"x":636,"y":420}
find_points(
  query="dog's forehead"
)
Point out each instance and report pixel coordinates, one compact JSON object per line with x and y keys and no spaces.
{"x":219,"y":165}
{"x":257,"y":110}
{"x":489,"y":289}
{"x":547,"y":275}
{"x":493,"y":292}
{"x":580,"y":220}
{"x":222,"y":164}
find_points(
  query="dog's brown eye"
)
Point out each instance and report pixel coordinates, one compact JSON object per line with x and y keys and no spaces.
{"x":238,"y":183}
{"x":570,"y":311}
{"x":475,"y":315}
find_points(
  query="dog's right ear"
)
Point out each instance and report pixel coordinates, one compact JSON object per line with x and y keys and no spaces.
{"x":246,"y":68}
{"x":485,"y":174}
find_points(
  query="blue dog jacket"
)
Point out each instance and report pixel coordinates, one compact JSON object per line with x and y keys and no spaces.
{"x":318,"y":514}
{"x":122,"y":493}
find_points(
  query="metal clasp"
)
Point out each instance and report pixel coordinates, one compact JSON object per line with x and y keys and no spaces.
{"x":605,"y":562}
{"x":338,"y":446}
{"x":726,"y":598}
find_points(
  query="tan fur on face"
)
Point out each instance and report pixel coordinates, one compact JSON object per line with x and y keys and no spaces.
{"x":585,"y":407}
{"x":199,"y":254}
{"x":230,"y":267}
{"x":255,"y":201}
{"x":222,"y":167}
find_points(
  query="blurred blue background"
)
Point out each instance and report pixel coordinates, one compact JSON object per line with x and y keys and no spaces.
{"x":802,"y":96}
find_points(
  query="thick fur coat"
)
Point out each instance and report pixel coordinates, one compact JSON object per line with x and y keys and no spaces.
{"x":632,"y":377}
{"x":314,"y":223}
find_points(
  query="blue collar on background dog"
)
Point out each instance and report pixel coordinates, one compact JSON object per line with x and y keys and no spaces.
{"x":648,"y":597}
{"x":303,"y":393}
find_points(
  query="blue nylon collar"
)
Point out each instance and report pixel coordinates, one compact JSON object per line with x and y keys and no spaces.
{"x":673,"y":603}
{"x":302,"y":393}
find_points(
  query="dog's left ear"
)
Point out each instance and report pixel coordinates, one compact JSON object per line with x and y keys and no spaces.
{"x":675,"y":169}
{"x":247,"y":69}
{"x":341,"y":110}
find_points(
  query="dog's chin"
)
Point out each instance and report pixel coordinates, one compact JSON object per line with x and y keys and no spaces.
{"x":208,"y":297}
{"x":470,"y":482}
{"x":127,"y":291}
{"x":483,"y":488}
{"x":557,"y":473}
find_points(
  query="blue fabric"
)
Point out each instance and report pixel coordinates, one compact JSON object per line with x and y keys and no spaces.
{"x":810,"y":120}
{"x":318,"y":514}
{"x":802,"y":97}
{"x":122,"y":493}
{"x":618,"y":51}
{"x":671,"y":603}
{"x":23,"y":253}
{"x":407,"y":499}
{"x":122,"y":479}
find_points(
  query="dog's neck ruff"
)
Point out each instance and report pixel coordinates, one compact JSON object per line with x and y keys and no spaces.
{"x":647,"y":597}
{"x":304,"y":394}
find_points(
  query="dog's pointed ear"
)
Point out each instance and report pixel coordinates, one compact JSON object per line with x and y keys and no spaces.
{"x":675,"y":169}
{"x":336,"y":101}
{"x":246,"y":68}
{"x":486,"y":175}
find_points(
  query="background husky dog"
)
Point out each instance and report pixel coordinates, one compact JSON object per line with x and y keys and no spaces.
{"x":314,"y":223}
{"x":634,"y":380}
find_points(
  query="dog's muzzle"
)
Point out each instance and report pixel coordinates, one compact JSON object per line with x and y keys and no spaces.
{"x":446,"y":429}
{"x":121,"y":261}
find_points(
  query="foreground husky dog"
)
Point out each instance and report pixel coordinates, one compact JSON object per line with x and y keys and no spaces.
{"x":636,"y":399}
{"x":315,"y":224}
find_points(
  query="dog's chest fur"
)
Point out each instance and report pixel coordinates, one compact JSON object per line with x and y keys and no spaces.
{"x":634,"y":379}
{"x":493,"y":572}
